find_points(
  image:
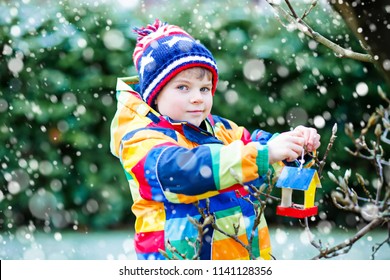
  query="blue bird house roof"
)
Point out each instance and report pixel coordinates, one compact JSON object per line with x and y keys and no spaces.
{"x":298,"y":178}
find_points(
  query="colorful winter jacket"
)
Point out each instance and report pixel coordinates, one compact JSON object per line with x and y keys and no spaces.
{"x":171,"y":165}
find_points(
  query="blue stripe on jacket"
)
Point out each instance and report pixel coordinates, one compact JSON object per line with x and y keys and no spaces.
{"x":186,"y":171}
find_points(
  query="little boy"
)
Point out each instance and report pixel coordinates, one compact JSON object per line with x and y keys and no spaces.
{"x":175,"y":153}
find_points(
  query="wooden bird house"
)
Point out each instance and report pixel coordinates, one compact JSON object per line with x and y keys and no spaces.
{"x":298,"y":179}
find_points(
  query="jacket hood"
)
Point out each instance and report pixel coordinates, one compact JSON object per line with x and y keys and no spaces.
{"x":130,"y":107}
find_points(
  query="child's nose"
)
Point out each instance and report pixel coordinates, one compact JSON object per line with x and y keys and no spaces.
{"x":197,"y":96}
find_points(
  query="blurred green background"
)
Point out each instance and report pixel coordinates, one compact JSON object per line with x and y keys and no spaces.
{"x":59,"y":64}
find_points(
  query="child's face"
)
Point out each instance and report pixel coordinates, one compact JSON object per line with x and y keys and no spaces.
{"x":187,"y":97}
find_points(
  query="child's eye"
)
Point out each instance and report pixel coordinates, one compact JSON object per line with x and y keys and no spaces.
{"x":205,"y":89}
{"x":182,"y":87}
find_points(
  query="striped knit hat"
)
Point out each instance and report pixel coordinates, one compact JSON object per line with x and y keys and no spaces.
{"x":161,"y":52}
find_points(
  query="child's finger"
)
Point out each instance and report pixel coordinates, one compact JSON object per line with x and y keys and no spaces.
{"x":295,"y":150}
{"x":310,"y":137}
{"x":298,"y":140}
{"x":305,"y":132}
{"x":317,"y":142}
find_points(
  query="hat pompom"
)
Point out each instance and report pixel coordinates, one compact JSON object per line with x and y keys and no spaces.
{"x":145,"y":31}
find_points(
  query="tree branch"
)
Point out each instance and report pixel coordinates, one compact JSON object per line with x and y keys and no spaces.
{"x":345,"y":246}
{"x":322,"y":162}
{"x":308,"y":31}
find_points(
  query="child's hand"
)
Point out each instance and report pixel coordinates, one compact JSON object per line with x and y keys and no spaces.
{"x":311,"y":137}
{"x":286,"y":146}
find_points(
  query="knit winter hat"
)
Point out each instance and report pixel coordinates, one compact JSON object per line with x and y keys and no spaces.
{"x":162,"y":51}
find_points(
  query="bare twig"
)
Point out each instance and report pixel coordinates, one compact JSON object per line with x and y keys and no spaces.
{"x":322,"y":162}
{"x":310,"y":236}
{"x":258,"y":206}
{"x":377,"y":246}
{"x":307,"y":12}
{"x":363,"y":185}
{"x":173,"y":250}
{"x":202,"y":230}
{"x":205,"y":213}
{"x":294,"y":14}
{"x":308,"y":31}
{"x":345,"y":246}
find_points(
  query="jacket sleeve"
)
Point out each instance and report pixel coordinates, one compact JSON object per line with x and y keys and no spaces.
{"x":165,"y":170}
